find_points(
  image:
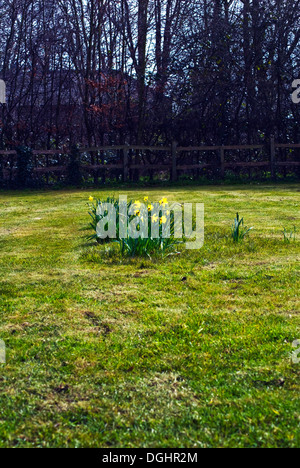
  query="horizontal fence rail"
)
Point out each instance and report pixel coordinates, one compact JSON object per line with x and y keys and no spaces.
{"x":126,"y":160}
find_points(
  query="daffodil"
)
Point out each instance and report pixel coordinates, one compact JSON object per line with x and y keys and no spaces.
{"x":154,"y":218}
{"x":150,"y":207}
{"x":137,"y":204}
{"x":163,"y":220}
{"x":146,"y":199}
{"x":91,"y":199}
{"x":137,"y":212}
{"x":163,"y":201}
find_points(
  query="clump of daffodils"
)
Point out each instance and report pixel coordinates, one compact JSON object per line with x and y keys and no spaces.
{"x":153,"y":221}
{"x":152,"y":208}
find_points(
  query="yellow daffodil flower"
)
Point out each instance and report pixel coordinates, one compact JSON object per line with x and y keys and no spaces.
{"x":150,"y":207}
{"x":91,"y":199}
{"x":163,"y":220}
{"x":163,"y":201}
{"x":146,"y":199}
{"x":137,"y":204}
{"x":154,"y":218}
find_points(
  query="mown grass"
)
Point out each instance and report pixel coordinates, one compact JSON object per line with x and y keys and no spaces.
{"x":193,"y":351}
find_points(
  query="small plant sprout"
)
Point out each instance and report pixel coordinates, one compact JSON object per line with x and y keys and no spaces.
{"x":239,"y":232}
{"x":289,"y":236}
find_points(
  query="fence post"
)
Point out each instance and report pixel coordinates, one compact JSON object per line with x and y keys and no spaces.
{"x":24,"y":166}
{"x":174,"y":161}
{"x":222,"y":158}
{"x":73,"y":168}
{"x":1,"y":171}
{"x":125,"y":164}
{"x":273,"y":157}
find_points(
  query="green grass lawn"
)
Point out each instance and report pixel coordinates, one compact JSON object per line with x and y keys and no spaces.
{"x":192,"y":351}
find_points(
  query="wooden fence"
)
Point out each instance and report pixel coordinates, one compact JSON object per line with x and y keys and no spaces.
{"x":124,"y":160}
